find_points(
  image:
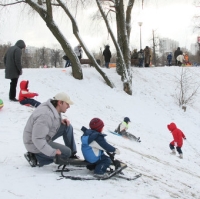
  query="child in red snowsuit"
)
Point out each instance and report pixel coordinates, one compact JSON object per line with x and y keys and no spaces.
{"x":178,"y":136}
{"x":25,"y":96}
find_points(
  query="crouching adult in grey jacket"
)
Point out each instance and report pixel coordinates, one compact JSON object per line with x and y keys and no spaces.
{"x":43,"y":127}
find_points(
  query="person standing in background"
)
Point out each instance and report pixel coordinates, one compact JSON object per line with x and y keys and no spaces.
{"x":176,"y":54}
{"x":169,"y":59}
{"x":107,"y":55}
{"x":79,"y":52}
{"x":13,"y":67}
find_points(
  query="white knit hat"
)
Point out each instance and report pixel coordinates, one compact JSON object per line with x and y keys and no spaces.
{"x":63,"y":97}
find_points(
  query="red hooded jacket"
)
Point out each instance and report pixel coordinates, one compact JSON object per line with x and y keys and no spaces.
{"x":24,"y":92}
{"x":178,"y":135}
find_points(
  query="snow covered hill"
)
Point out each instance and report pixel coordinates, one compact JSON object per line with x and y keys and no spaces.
{"x":151,"y":107}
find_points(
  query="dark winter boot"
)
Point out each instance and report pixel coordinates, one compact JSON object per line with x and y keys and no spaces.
{"x":30,"y":157}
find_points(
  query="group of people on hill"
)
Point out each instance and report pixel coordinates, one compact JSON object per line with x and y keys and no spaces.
{"x":79,"y":53}
{"x":46,"y":124}
{"x":143,"y":56}
{"x":180,"y":58}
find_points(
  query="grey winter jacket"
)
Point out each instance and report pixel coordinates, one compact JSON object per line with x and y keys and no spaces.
{"x":41,"y":126}
{"x":12,"y":60}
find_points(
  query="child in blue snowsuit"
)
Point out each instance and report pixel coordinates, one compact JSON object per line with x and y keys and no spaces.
{"x":169,"y":59}
{"x":94,"y":145}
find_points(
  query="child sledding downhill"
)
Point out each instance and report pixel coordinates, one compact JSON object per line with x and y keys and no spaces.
{"x":94,"y":145}
{"x":178,"y":136}
{"x":25,"y":97}
{"x":122,"y":127}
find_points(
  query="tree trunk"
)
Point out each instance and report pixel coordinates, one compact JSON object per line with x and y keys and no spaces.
{"x":76,"y":33}
{"x":46,"y":15}
{"x":126,"y":76}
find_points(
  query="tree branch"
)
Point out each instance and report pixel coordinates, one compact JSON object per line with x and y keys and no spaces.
{"x":10,"y":4}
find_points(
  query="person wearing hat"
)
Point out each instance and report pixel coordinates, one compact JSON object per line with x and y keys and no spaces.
{"x":94,"y":145}
{"x":79,"y":52}
{"x":122,"y":127}
{"x":43,"y":127}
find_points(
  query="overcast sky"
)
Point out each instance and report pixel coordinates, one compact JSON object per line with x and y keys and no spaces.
{"x":171,"y":19}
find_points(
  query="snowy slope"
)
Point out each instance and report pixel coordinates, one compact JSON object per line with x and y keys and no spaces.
{"x":151,"y":107}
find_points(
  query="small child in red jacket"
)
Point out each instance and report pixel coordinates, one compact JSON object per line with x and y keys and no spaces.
{"x":178,"y":136}
{"x":25,"y":96}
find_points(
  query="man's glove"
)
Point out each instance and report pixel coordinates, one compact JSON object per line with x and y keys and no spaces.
{"x":117,"y":151}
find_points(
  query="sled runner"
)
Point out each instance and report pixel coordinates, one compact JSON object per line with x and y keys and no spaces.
{"x":77,"y":165}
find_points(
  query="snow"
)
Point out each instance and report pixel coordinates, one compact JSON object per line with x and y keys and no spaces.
{"x":151,"y":107}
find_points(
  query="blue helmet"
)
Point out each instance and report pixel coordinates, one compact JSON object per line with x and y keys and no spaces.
{"x":126,"y":119}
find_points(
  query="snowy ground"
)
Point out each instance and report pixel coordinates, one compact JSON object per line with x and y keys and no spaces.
{"x":151,"y":107}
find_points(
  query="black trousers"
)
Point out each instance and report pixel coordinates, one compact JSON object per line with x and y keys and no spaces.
{"x":177,"y":148}
{"x":13,"y":86}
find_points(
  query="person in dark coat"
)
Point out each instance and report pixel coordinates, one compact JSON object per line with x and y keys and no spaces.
{"x":176,"y":54}
{"x":13,"y":66}
{"x":68,"y":63}
{"x":147,"y":56}
{"x":141,"y":57}
{"x":177,"y":142}
{"x":107,"y":56}
{"x":169,"y":59}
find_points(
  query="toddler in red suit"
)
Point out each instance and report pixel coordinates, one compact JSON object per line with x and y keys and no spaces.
{"x":178,"y":136}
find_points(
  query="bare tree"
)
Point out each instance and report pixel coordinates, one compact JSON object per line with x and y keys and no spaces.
{"x":3,"y":49}
{"x":55,"y":58}
{"x":187,"y":87}
{"x":122,"y":41}
{"x":45,"y":10}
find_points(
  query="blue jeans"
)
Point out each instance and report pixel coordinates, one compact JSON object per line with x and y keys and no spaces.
{"x":68,"y":63}
{"x":32,"y":102}
{"x":66,"y":150}
{"x":107,"y":64}
{"x":140,"y":62}
{"x":102,"y":164}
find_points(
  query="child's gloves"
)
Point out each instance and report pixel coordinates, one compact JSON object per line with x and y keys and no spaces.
{"x":117,"y":151}
{"x":36,"y":94}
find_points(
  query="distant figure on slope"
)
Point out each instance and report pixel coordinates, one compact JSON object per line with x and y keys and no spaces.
{"x":147,"y":56}
{"x":176,"y":54}
{"x":25,"y":96}
{"x":79,"y":52}
{"x":107,"y":55}
{"x":94,"y":145}
{"x":180,"y":59}
{"x":169,"y":59}
{"x":141,"y":57}
{"x":68,"y":63}
{"x":13,"y":67}
{"x":122,"y":127}
{"x":178,"y":136}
